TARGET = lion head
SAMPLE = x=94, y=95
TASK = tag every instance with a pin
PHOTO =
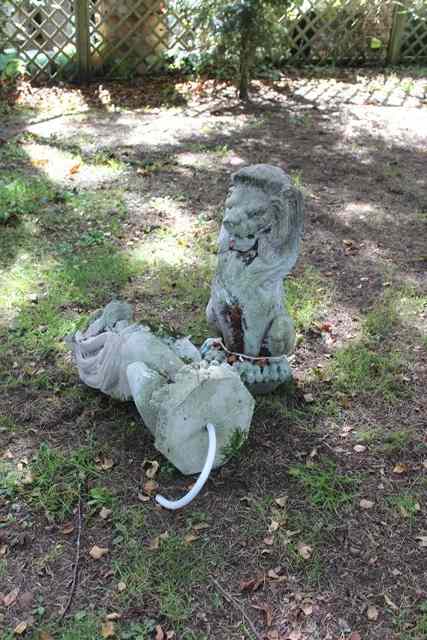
x=263, y=215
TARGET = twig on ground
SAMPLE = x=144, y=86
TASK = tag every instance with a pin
x=234, y=602
x=77, y=556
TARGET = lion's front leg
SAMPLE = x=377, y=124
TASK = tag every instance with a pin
x=280, y=339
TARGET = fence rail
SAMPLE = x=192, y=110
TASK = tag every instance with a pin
x=82, y=39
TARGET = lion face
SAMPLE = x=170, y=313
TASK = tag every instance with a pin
x=248, y=217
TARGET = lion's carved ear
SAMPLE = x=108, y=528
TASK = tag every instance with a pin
x=294, y=206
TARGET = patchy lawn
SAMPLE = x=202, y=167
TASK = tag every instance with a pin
x=318, y=529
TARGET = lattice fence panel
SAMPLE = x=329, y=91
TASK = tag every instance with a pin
x=414, y=40
x=121, y=38
x=136, y=36
x=338, y=31
x=40, y=34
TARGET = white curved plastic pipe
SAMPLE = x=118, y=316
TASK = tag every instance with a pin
x=201, y=480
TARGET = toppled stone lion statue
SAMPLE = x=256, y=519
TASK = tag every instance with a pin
x=258, y=246
x=192, y=401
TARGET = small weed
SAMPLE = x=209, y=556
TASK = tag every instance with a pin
x=396, y=441
x=9, y=479
x=234, y=445
x=58, y=477
x=380, y=322
x=3, y=568
x=99, y=497
x=368, y=436
x=406, y=505
x=296, y=178
x=325, y=487
x=358, y=369
x=417, y=631
x=7, y=424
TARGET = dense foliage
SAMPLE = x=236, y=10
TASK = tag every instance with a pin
x=232, y=35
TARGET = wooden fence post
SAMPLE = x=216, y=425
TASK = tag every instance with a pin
x=397, y=31
x=81, y=12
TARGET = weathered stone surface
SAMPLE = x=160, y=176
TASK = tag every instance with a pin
x=200, y=394
x=258, y=246
x=110, y=344
x=175, y=400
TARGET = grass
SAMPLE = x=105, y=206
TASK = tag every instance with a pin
x=396, y=442
x=58, y=479
x=379, y=323
x=307, y=298
x=405, y=505
x=19, y=196
x=166, y=576
x=359, y=369
x=325, y=487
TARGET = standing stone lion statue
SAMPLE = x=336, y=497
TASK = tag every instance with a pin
x=258, y=246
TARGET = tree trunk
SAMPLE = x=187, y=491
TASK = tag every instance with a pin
x=245, y=65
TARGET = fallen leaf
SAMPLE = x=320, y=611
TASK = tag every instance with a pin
x=159, y=633
x=252, y=585
x=153, y=467
x=20, y=628
x=75, y=168
x=106, y=464
x=274, y=525
x=105, y=513
x=294, y=635
x=190, y=537
x=366, y=504
x=67, y=528
x=390, y=603
x=97, y=552
x=108, y=630
x=308, y=397
x=400, y=468
x=27, y=478
x=272, y=574
x=113, y=616
x=150, y=487
x=273, y=634
x=304, y=550
x=359, y=448
x=201, y=526
x=10, y=598
x=3, y=549
x=281, y=502
x=372, y=613
x=154, y=543
x=44, y=635
x=121, y=587
x=307, y=608
x=354, y=635
x=269, y=540
x=422, y=540
x=267, y=610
